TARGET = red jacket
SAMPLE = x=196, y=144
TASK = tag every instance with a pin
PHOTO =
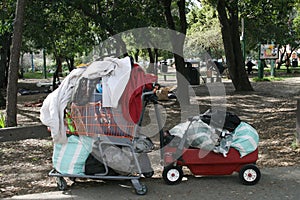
x=131, y=100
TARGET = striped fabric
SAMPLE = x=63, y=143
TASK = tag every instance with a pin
x=245, y=139
x=70, y=158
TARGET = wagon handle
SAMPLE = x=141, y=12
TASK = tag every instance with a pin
x=181, y=145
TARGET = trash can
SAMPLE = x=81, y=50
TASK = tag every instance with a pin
x=193, y=74
x=164, y=67
x=294, y=62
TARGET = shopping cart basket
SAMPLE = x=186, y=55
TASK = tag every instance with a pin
x=102, y=131
x=106, y=127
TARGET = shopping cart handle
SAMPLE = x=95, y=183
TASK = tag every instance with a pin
x=149, y=96
x=148, y=93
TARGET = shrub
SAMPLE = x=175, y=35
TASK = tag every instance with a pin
x=2, y=120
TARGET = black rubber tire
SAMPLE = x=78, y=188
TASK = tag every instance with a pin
x=61, y=183
x=172, y=175
x=249, y=174
x=73, y=179
x=142, y=191
x=148, y=174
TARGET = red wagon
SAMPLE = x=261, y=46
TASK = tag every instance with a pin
x=211, y=164
x=202, y=162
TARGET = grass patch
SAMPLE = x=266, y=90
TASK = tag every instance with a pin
x=2, y=120
x=295, y=144
x=271, y=78
x=34, y=75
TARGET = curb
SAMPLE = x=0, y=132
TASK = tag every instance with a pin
x=23, y=133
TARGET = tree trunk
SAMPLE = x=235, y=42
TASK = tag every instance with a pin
x=70, y=62
x=4, y=59
x=11, y=105
x=56, y=74
x=150, y=68
x=281, y=57
x=230, y=34
x=288, y=64
x=21, y=73
x=156, y=55
x=156, y=60
x=136, y=55
x=177, y=44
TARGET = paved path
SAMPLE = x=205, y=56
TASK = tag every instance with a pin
x=276, y=183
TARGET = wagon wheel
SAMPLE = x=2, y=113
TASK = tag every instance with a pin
x=172, y=174
x=249, y=174
x=142, y=191
x=61, y=183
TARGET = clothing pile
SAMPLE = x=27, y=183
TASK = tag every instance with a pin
x=216, y=131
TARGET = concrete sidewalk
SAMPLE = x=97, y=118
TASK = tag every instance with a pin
x=276, y=183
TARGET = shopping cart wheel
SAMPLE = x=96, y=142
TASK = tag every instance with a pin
x=61, y=183
x=249, y=174
x=142, y=191
x=172, y=174
x=73, y=179
x=148, y=174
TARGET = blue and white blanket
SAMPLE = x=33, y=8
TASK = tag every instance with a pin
x=69, y=158
x=245, y=139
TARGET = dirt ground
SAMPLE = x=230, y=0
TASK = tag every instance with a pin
x=271, y=109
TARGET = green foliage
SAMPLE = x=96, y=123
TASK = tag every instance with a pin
x=7, y=9
x=267, y=21
x=296, y=21
x=2, y=120
x=35, y=75
x=204, y=33
x=62, y=30
x=70, y=29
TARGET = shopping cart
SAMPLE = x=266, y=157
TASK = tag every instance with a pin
x=107, y=135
